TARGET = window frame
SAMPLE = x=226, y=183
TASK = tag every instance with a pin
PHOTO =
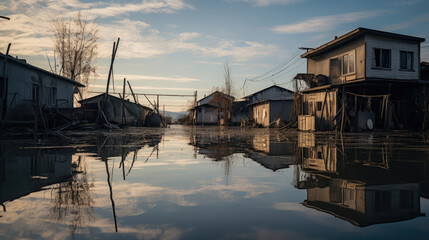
x=407, y=53
x=374, y=62
x=350, y=55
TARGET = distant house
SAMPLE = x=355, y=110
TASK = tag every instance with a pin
x=25, y=89
x=215, y=108
x=270, y=104
x=240, y=112
x=362, y=80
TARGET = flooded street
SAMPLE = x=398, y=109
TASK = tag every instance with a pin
x=215, y=183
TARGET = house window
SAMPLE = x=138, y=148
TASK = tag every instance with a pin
x=53, y=95
x=407, y=60
x=381, y=58
x=319, y=106
x=348, y=63
x=345, y=64
x=35, y=93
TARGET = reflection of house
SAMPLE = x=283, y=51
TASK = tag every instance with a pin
x=213, y=109
x=25, y=89
x=366, y=71
x=217, y=145
x=365, y=184
x=271, y=153
x=26, y=171
x=270, y=104
x=364, y=205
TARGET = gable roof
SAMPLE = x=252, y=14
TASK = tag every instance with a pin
x=354, y=34
x=217, y=92
x=25, y=64
x=267, y=89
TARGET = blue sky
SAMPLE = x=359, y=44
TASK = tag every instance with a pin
x=178, y=46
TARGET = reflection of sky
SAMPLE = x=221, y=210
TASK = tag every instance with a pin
x=178, y=196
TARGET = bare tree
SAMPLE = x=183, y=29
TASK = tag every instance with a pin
x=228, y=88
x=76, y=47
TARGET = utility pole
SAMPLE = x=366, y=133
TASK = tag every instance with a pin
x=157, y=103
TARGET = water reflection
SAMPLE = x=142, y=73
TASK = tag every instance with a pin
x=365, y=184
x=211, y=183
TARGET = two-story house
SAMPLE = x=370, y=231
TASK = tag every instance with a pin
x=362, y=80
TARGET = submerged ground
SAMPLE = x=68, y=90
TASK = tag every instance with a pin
x=214, y=183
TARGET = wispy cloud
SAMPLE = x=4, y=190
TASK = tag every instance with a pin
x=146, y=6
x=130, y=77
x=407, y=24
x=265, y=3
x=102, y=87
x=324, y=23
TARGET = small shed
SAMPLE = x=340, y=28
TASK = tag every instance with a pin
x=215, y=108
x=116, y=110
x=267, y=111
x=240, y=112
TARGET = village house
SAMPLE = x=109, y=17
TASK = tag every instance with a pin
x=271, y=104
x=362, y=80
x=213, y=109
x=26, y=90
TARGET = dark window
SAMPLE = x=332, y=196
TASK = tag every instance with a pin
x=381, y=58
x=319, y=106
x=406, y=199
x=335, y=68
x=53, y=95
x=407, y=60
x=382, y=201
x=346, y=64
x=35, y=93
x=352, y=63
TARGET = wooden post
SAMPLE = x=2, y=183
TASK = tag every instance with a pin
x=115, y=48
x=157, y=103
x=344, y=109
x=123, y=101
x=132, y=92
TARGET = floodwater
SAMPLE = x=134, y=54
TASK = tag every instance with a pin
x=215, y=183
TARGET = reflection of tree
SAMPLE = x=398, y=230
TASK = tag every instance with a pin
x=72, y=201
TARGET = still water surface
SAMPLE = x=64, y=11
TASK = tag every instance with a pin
x=215, y=183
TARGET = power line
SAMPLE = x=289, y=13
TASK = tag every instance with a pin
x=281, y=65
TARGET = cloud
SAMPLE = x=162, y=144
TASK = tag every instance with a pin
x=265, y=3
x=147, y=6
x=407, y=24
x=131, y=77
x=324, y=23
x=99, y=86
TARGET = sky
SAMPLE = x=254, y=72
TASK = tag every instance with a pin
x=179, y=46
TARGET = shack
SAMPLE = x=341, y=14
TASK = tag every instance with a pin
x=26, y=91
x=213, y=109
x=271, y=104
x=120, y=111
x=240, y=112
x=363, y=80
